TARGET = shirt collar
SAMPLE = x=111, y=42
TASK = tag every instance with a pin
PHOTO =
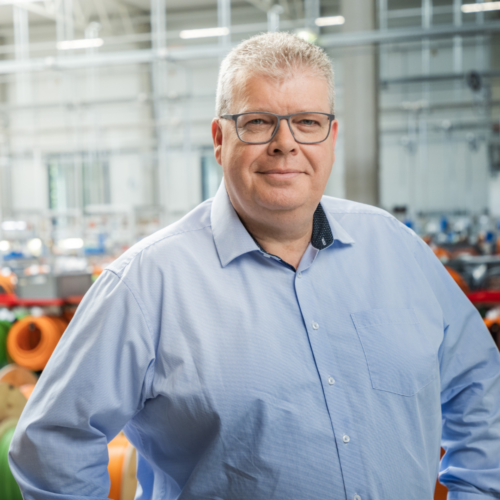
x=230, y=235
x=232, y=239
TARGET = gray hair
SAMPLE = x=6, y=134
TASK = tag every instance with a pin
x=276, y=55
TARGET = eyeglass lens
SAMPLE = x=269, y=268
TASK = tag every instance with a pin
x=306, y=127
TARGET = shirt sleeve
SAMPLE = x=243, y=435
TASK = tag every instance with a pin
x=470, y=389
x=97, y=379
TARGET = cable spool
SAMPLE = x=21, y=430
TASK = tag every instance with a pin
x=31, y=341
x=457, y=277
x=27, y=390
x=9, y=490
x=17, y=375
x=122, y=469
x=4, y=330
x=12, y=402
x=6, y=285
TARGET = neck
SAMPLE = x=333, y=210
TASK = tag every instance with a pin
x=284, y=235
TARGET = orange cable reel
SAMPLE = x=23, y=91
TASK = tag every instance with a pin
x=459, y=280
x=122, y=467
x=27, y=390
x=17, y=375
x=31, y=341
x=6, y=285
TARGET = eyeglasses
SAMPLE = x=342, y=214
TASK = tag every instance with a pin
x=261, y=127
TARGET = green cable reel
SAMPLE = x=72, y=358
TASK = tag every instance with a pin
x=9, y=489
x=4, y=330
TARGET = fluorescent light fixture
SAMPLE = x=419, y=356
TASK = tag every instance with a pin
x=4, y=246
x=330, y=21
x=70, y=244
x=17, y=2
x=204, y=33
x=14, y=225
x=480, y=7
x=85, y=43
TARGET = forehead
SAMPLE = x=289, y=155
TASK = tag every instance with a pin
x=291, y=92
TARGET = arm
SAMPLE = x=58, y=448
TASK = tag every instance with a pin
x=470, y=389
x=97, y=379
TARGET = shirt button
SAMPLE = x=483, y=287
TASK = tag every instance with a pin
x=346, y=438
x=315, y=325
x=299, y=274
x=331, y=381
x=357, y=497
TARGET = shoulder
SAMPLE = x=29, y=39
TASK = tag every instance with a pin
x=166, y=240
x=359, y=218
x=340, y=206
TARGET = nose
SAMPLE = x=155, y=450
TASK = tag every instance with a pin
x=283, y=142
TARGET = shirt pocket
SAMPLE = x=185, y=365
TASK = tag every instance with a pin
x=400, y=358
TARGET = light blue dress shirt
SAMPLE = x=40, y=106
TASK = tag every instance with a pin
x=237, y=378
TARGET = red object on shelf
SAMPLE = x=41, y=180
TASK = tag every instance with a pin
x=11, y=300
x=485, y=297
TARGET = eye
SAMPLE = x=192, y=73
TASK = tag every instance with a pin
x=308, y=122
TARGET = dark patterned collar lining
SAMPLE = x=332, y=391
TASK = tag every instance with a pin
x=321, y=238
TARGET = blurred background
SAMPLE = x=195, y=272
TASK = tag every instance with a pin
x=105, y=112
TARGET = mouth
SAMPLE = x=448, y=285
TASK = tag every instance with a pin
x=283, y=175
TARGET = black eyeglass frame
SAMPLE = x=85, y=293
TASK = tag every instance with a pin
x=279, y=117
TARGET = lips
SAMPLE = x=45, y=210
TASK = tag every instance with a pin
x=281, y=174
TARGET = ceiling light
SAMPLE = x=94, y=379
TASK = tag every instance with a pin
x=85, y=43
x=203, y=33
x=70, y=244
x=330, y=21
x=35, y=246
x=14, y=225
x=480, y=7
x=17, y=2
x=307, y=35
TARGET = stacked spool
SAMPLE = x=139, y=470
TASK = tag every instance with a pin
x=31, y=341
x=4, y=330
x=6, y=285
x=16, y=385
x=12, y=403
x=9, y=490
x=17, y=376
x=122, y=469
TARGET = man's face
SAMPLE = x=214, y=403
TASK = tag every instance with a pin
x=282, y=175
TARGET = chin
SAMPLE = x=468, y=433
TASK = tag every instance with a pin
x=280, y=200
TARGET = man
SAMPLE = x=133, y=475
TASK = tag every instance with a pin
x=274, y=343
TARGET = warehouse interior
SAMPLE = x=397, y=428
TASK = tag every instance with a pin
x=105, y=113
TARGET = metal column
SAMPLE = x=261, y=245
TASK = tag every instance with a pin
x=311, y=13
x=224, y=21
x=273, y=18
x=161, y=179
x=360, y=107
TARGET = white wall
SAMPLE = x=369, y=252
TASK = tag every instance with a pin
x=433, y=136
x=441, y=173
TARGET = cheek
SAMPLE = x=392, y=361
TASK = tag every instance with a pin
x=239, y=160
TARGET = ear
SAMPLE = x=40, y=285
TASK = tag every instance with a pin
x=334, y=132
x=217, y=138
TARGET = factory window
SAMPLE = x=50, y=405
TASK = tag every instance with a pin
x=76, y=181
x=211, y=175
